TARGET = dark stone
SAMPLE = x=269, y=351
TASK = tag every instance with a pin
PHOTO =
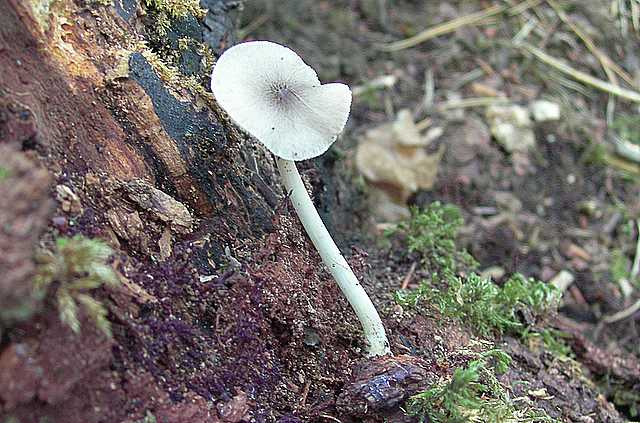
x=218, y=24
x=382, y=384
x=126, y=8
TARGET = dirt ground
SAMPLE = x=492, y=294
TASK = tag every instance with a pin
x=225, y=313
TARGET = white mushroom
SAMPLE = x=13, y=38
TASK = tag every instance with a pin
x=269, y=91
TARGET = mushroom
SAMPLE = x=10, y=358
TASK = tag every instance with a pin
x=270, y=92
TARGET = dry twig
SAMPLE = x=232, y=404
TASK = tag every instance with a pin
x=328, y=417
x=407, y=278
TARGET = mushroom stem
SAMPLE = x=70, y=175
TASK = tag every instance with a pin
x=347, y=281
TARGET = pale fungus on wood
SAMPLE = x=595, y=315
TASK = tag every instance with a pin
x=269, y=91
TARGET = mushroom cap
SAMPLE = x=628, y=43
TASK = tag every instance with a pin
x=269, y=91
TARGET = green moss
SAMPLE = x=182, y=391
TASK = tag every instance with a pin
x=177, y=9
x=473, y=394
x=619, y=266
x=483, y=305
x=74, y=268
x=171, y=75
x=4, y=173
x=183, y=43
x=168, y=73
x=627, y=127
x=431, y=233
x=478, y=302
x=164, y=11
x=552, y=340
x=148, y=418
x=625, y=397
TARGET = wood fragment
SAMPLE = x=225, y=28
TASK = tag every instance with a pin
x=577, y=295
x=407, y=278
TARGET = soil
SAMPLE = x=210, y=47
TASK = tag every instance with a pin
x=225, y=312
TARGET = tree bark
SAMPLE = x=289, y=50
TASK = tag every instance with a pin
x=140, y=149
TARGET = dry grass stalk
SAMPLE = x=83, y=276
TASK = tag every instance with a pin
x=444, y=28
x=582, y=76
x=452, y=25
x=610, y=67
x=465, y=103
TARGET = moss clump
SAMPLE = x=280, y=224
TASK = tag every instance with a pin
x=177, y=9
x=473, y=394
x=168, y=73
x=148, y=418
x=164, y=11
x=171, y=75
x=482, y=304
x=431, y=233
x=619, y=266
x=4, y=173
x=75, y=267
x=551, y=339
x=627, y=127
x=478, y=301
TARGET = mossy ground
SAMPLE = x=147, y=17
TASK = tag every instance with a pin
x=455, y=291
